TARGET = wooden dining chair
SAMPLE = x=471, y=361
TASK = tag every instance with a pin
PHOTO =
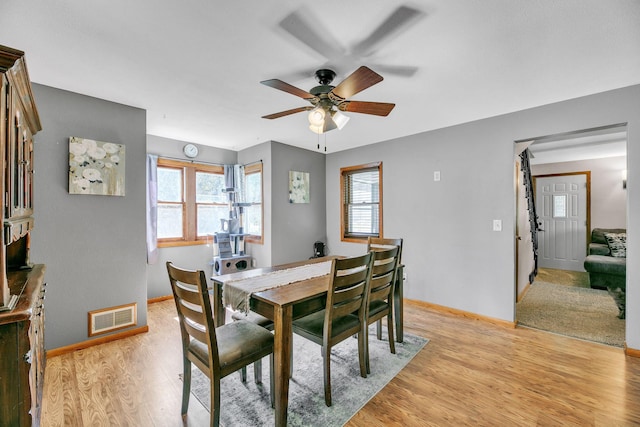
x=217, y=352
x=379, y=243
x=380, y=297
x=344, y=314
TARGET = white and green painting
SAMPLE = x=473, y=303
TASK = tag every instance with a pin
x=298, y=187
x=96, y=167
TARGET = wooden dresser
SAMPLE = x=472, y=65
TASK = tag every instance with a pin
x=22, y=352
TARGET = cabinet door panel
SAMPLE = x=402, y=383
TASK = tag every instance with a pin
x=9, y=353
x=19, y=162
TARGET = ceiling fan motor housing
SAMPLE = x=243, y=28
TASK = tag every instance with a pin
x=323, y=99
x=325, y=76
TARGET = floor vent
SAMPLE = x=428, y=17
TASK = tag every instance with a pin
x=113, y=318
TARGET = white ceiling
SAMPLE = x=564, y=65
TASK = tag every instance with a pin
x=581, y=145
x=196, y=66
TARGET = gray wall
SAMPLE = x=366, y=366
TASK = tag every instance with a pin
x=196, y=257
x=93, y=246
x=296, y=226
x=608, y=198
x=453, y=257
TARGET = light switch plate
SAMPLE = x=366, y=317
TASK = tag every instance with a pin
x=497, y=225
x=436, y=176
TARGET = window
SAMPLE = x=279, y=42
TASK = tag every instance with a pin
x=361, y=207
x=191, y=202
x=560, y=206
x=253, y=213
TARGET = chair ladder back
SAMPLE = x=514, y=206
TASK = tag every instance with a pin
x=381, y=287
x=348, y=288
x=378, y=243
x=190, y=305
x=191, y=296
x=383, y=273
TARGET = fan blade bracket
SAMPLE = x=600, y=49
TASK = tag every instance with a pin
x=337, y=100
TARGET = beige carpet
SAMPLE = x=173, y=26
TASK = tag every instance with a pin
x=584, y=313
x=579, y=279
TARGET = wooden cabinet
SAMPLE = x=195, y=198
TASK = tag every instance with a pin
x=22, y=352
x=20, y=121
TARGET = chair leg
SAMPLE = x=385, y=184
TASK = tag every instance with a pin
x=379, y=329
x=215, y=401
x=392, y=341
x=243, y=374
x=362, y=354
x=272, y=381
x=326, y=358
x=365, y=333
x=257, y=371
x=186, y=385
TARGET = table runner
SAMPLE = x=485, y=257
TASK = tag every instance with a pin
x=236, y=293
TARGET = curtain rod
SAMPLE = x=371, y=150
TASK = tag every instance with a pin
x=201, y=162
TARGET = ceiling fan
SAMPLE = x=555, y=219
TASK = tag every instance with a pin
x=327, y=101
x=306, y=27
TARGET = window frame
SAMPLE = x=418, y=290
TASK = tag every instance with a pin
x=189, y=206
x=344, y=173
x=249, y=170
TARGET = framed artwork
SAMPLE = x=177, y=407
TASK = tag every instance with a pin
x=298, y=187
x=96, y=167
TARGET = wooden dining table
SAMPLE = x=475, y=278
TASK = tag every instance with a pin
x=282, y=305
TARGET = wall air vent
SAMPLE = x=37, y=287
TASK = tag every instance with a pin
x=113, y=318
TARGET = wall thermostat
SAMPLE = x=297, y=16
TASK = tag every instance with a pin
x=190, y=150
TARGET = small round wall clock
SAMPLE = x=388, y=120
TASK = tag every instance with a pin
x=190, y=150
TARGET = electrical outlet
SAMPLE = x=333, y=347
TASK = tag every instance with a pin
x=497, y=225
x=436, y=176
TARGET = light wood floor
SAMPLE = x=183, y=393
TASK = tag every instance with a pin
x=471, y=373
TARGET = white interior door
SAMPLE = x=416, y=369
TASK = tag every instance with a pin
x=561, y=204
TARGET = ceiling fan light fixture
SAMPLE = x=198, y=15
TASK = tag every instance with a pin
x=316, y=129
x=316, y=117
x=329, y=124
x=340, y=119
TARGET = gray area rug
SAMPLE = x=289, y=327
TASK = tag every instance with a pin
x=248, y=404
x=584, y=313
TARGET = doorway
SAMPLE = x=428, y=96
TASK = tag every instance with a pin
x=575, y=171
